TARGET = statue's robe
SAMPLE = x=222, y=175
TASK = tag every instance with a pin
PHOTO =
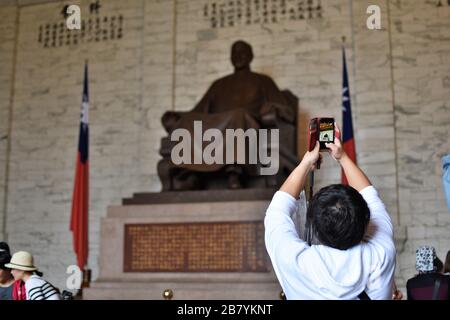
x=236, y=101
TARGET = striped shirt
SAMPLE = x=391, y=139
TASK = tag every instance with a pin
x=39, y=289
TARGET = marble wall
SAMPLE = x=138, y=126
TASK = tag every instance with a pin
x=169, y=54
x=421, y=75
x=8, y=15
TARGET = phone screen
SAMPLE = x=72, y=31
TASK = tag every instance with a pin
x=326, y=131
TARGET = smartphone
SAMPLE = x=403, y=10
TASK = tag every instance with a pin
x=326, y=132
x=322, y=130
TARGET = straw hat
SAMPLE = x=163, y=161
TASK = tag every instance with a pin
x=22, y=261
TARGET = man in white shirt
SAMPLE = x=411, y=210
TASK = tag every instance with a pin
x=356, y=254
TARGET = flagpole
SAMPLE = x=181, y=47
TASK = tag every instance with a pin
x=86, y=271
x=308, y=231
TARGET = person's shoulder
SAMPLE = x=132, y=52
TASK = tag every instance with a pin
x=282, y=200
x=369, y=192
x=445, y=277
x=390, y=252
x=414, y=278
x=34, y=281
x=221, y=80
x=408, y=282
x=383, y=251
x=415, y=281
x=261, y=75
x=264, y=77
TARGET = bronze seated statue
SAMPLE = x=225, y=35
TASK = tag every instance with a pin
x=241, y=100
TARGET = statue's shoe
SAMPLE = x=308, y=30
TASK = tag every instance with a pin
x=234, y=182
x=191, y=182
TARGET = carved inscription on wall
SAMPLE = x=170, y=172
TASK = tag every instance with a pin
x=230, y=13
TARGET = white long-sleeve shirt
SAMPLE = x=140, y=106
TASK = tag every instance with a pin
x=322, y=272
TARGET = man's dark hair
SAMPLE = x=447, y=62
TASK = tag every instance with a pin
x=5, y=258
x=447, y=263
x=5, y=255
x=4, y=247
x=438, y=265
x=339, y=216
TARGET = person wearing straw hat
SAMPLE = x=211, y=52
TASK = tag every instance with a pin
x=23, y=268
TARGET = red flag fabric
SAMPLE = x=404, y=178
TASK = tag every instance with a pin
x=80, y=200
x=19, y=291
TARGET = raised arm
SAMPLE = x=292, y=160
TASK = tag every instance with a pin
x=295, y=183
x=380, y=227
x=282, y=241
x=355, y=177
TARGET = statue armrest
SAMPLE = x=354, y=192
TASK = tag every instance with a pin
x=166, y=147
x=271, y=113
x=269, y=119
x=169, y=120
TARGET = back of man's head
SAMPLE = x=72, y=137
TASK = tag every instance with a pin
x=4, y=247
x=339, y=216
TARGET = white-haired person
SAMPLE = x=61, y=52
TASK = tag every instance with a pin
x=22, y=268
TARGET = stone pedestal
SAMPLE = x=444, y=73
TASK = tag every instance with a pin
x=116, y=281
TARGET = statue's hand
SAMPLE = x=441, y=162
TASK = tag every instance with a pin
x=275, y=111
x=170, y=120
x=267, y=108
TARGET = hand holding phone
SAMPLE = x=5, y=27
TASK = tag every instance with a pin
x=313, y=157
x=335, y=149
x=323, y=131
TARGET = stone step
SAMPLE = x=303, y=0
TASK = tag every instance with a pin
x=200, y=196
x=188, y=290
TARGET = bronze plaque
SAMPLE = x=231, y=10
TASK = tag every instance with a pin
x=195, y=247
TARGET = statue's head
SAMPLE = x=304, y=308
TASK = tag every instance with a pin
x=241, y=54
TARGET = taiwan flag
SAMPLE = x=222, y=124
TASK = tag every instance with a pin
x=80, y=200
x=348, y=140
